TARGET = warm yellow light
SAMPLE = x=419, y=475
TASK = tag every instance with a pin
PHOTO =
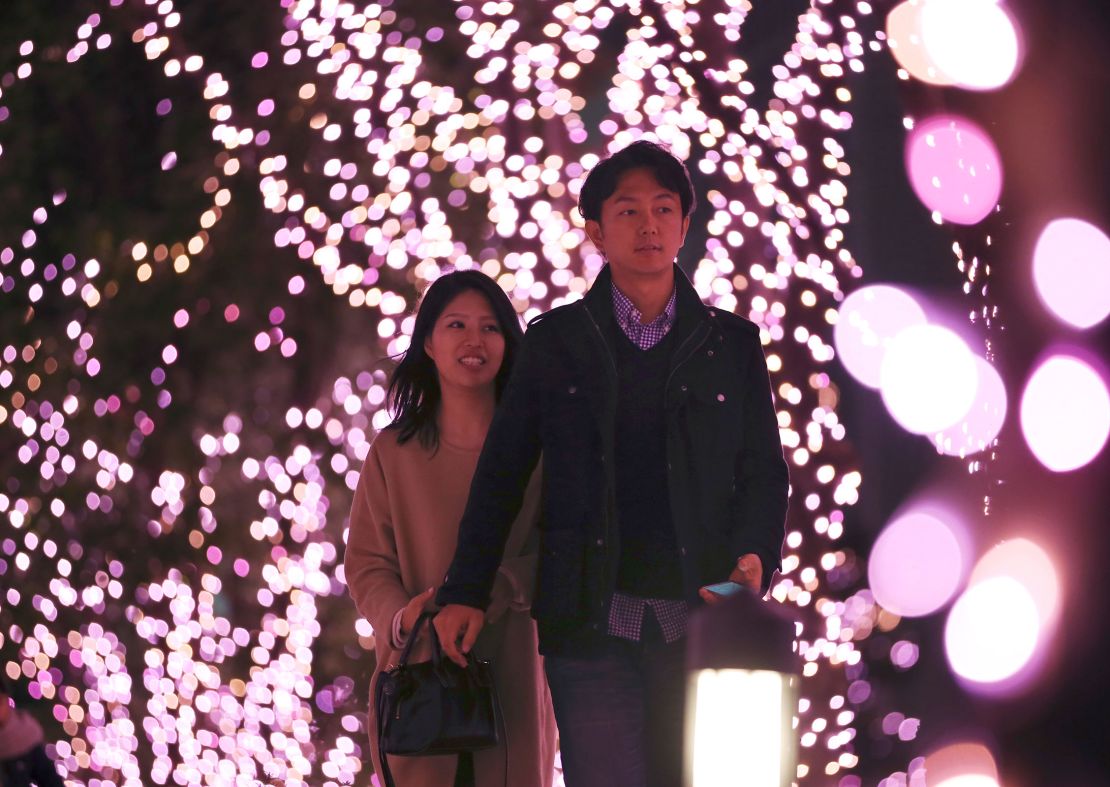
x=739, y=728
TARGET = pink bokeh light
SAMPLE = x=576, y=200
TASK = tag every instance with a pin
x=867, y=320
x=917, y=563
x=928, y=379
x=972, y=43
x=1071, y=270
x=1065, y=413
x=992, y=631
x=964, y=764
x=983, y=421
x=1029, y=564
x=954, y=168
x=903, y=31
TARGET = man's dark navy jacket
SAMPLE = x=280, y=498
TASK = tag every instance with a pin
x=728, y=481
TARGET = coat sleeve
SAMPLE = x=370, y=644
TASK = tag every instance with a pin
x=370, y=564
x=761, y=474
x=509, y=456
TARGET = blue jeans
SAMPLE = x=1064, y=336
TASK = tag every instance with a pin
x=620, y=715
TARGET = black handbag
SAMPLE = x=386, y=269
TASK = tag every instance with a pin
x=435, y=707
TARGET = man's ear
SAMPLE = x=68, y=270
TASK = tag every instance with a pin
x=685, y=229
x=596, y=236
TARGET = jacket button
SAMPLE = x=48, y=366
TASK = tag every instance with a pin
x=683, y=551
x=720, y=397
x=682, y=388
x=572, y=389
x=601, y=542
x=710, y=353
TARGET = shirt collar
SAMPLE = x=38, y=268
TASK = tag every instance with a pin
x=629, y=316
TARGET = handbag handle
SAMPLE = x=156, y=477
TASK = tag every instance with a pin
x=437, y=648
x=437, y=659
x=413, y=635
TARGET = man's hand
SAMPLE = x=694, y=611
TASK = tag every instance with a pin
x=417, y=604
x=457, y=626
x=748, y=572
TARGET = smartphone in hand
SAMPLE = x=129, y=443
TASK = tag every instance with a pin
x=725, y=588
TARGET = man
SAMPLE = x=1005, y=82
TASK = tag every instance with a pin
x=662, y=473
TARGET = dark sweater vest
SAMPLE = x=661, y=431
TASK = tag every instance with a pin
x=649, y=561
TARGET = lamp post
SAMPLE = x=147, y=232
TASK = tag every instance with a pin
x=741, y=695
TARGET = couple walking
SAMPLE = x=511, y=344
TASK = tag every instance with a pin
x=661, y=473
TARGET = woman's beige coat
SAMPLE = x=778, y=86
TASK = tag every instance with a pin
x=404, y=525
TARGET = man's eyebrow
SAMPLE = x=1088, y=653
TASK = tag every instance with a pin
x=664, y=194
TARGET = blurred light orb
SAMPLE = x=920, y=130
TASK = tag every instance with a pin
x=992, y=630
x=973, y=43
x=962, y=765
x=916, y=565
x=1029, y=564
x=903, y=31
x=928, y=379
x=1071, y=270
x=967, y=780
x=954, y=168
x=867, y=320
x=1065, y=413
x=983, y=421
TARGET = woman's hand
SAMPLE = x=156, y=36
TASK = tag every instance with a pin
x=417, y=604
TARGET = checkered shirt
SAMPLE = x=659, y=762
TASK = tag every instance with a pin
x=628, y=318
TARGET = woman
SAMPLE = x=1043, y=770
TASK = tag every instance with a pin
x=404, y=522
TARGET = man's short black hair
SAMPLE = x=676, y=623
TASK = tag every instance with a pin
x=641, y=154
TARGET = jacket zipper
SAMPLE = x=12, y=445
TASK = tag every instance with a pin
x=688, y=339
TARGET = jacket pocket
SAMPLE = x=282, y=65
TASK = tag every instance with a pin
x=560, y=586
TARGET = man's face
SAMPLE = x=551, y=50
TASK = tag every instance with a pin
x=641, y=227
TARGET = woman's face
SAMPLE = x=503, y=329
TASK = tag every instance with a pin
x=466, y=343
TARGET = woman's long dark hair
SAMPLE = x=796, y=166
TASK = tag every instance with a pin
x=414, y=392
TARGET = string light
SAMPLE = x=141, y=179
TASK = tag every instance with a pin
x=403, y=167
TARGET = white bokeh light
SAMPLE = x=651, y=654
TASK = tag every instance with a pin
x=973, y=43
x=992, y=630
x=903, y=32
x=1029, y=564
x=967, y=780
x=916, y=565
x=1071, y=270
x=966, y=764
x=928, y=379
x=984, y=420
x=1065, y=413
x=867, y=320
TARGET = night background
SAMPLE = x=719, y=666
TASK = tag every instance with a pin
x=215, y=222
